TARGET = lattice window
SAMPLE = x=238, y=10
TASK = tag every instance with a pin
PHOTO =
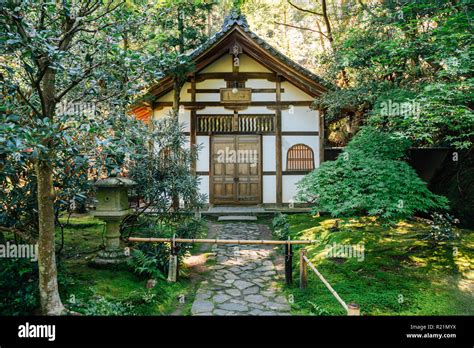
x=235, y=84
x=300, y=157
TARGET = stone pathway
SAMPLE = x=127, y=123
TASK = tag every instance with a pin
x=244, y=280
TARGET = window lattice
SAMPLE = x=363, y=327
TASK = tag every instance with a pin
x=300, y=157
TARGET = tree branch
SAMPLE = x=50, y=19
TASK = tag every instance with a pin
x=22, y=234
x=302, y=28
x=304, y=10
x=75, y=82
x=28, y=102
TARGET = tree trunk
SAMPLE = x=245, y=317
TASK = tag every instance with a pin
x=48, y=282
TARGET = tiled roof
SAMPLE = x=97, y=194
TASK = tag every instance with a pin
x=238, y=19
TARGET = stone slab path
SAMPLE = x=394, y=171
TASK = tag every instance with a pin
x=244, y=279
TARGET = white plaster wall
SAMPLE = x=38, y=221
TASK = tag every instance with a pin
x=302, y=118
x=214, y=110
x=208, y=97
x=202, y=164
x=248, y=64
x=157, y=114
x=260, y=83
x=168, y=97
x=289, y=187
x=185, y=119
x=269, y=192
x=204, y=186
x=309, y=140
x=269, y=153
x=293, y=93
x=223, y=64
x=184, y=95
x=211, y=83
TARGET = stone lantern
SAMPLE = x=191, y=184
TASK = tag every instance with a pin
x=112, y=208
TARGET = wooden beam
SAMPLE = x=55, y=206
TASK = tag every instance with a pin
x=254, y=90
x=239, y=76
x=192, y=138
x=278, y=145
x=321, y=135
x=269, y=104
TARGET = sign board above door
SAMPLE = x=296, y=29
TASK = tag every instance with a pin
x=236, y=95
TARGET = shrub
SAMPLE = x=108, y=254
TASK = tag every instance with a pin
x=100, y=305
x=158, y=253
x=18, y=286
x=370, y=177
x=441, y=228
x=281, y=226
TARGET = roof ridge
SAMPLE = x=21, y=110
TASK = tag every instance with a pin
x=235, y=16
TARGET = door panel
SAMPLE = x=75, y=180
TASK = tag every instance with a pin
x=235, y=169
x=222, y=173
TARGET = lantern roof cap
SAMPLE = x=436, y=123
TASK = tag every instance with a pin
x=114, y=182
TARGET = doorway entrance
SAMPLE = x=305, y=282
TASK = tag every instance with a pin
x=236, y=175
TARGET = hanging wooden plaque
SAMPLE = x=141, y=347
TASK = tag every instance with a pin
x=237, y=95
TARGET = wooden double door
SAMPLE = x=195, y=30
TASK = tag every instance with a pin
x=236, y=169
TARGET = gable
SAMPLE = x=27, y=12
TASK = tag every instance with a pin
x=257, y=57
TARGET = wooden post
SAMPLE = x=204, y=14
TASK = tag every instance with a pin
x=288, y=264
x=303, y=272
x=353, y=309
x=173, y=268
x=278, y=145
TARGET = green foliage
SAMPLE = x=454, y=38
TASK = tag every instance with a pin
x=281, y=226
x=441, y=228
x=143, y=264
x=317, y=309
x=157, y=254
x=101, y=305
x=369, y=177
x=18, y=286
x=402, y=52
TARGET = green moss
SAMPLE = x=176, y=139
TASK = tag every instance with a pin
x=83, y=238
x=401, y=274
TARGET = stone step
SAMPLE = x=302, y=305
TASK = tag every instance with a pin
x=237, y=218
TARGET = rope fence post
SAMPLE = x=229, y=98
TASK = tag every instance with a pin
x=353, y=309
x=303, y=270
x=173, y=263
x=288, y=263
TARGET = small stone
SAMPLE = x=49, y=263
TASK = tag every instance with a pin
x=242, y=284
x=220, y=298
x=255, y=298
x=252, y=290
x=151, y=283
x=233, y=292
x=202, y=307
x=277, y=306
x=234, y=307
x=220, y=312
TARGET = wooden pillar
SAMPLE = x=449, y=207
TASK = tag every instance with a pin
x=192, y=123
x=278, y=145
x=321, y=135
x=235, y=121
x=288, y=264
x=303, y=270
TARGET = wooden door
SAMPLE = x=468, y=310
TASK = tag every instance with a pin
x=235, y=169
